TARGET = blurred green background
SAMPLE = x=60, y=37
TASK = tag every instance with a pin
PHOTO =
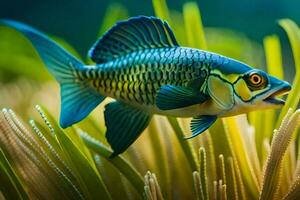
x=78, y=21
x=245, y=30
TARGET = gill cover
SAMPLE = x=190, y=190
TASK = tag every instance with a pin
x=221, y=92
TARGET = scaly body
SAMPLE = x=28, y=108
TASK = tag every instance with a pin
x=136, y=77
x=140, y=64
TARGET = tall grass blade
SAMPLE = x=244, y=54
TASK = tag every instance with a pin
x=113, y=13
x=185, y=145
x=11, y=186
x=293, y=98
x=294, y=191
x=193, y=26
x=119, y=162
x=274, y=65
x=86, y=172
x=203, y=173
x=231, y=180
x=161, y=10
x=233, y=133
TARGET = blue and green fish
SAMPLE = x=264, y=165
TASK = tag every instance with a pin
x=139, y=63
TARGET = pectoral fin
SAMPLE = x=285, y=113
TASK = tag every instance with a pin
x=172, y=97
x=124, y=124
x=201, y=124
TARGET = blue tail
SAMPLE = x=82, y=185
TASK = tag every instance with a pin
x=77, y=98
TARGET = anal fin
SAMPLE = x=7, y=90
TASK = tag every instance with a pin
x=124, y=125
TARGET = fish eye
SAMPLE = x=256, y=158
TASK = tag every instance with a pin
x=256, y=81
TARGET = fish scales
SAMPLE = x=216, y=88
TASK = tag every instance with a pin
x=137, y=76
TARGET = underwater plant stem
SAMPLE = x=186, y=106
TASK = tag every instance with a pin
x=198, y=186
x=273, y=56
x=235, y=137
x=13, y=187
x=293, y=33
x=294, y=192
x=203, y=173
x=274, y=65
x=279, y=145
x=186, y=146
x=120, y=163
x=232, y=182
x=161, y=156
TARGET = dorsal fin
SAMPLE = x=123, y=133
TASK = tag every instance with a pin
x=134, y=34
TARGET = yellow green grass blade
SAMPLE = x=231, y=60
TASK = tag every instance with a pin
x=280, y=142
x=293, y=33
x=114, y=13
x=161, y=10
x=160, y=158
x=294, y=192
x=256, y=118
x=235, y=137
x=273, y=56
x=232, y=182
x=274, y=65
x=119, y=162
x=11, y=187
x=178, y=27
x=89, y=178
x=193, y=26
x=186, y=146
x=42, y=174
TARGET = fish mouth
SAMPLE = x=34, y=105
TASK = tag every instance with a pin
x=273, y=99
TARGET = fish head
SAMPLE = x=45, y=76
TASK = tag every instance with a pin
x=242, y=89
x=255, y=90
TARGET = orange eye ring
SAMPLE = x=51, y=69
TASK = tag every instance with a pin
x=256, y=81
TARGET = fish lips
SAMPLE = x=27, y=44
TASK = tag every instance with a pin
x=279, y=89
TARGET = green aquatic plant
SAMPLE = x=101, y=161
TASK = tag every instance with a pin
x=235, y=159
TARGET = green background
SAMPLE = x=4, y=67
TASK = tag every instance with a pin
x=78, y=21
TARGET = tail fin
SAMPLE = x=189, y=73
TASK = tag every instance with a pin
x=77, y=98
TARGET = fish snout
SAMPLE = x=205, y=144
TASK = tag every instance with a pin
x=278, y=87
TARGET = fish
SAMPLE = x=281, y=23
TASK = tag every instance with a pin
x=139, y=64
